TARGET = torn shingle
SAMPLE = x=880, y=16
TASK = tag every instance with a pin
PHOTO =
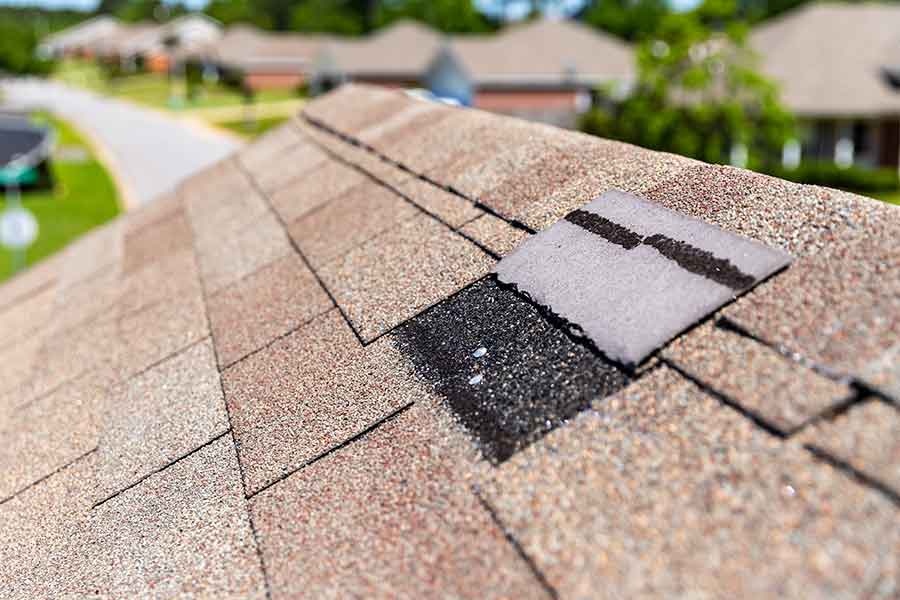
x=631, y=275
x=508, y=374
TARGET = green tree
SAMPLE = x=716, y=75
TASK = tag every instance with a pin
x=17, y=50
x=328, y=16
x=451, y=16
x=697, y=94
x=629, y=19
x=230, y=12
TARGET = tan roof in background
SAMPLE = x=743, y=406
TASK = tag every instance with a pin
x=215, y=396
x=401, y=49
x=544, y=51
x=248, y=47
x=829, y=59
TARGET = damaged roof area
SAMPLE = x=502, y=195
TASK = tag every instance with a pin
x=358, y=359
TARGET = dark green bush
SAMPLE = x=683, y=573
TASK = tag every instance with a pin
x=828, y=174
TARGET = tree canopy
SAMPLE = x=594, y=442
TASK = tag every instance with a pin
x=698, y=94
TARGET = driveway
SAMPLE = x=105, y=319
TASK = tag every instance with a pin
x=148, y=151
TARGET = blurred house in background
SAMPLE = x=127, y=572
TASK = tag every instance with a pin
x=395, y=56
x=261, y=59
x=77, y=40
x=838, y=67
x=544, y=70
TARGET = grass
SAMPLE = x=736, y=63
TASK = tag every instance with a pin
x=254, y=128
x=155, y=90
x=889, y=197
x=83, y=197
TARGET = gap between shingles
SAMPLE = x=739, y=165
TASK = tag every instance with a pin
x=234, y=443
x=354, y=438
x=511, y=539
x=512, y=222
x=300, y=253
x=49, y=475
x=817, y=453
x=162, y=468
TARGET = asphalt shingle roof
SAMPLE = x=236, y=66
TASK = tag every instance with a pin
x=246, y=389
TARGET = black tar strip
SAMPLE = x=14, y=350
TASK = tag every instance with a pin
x=690, y=258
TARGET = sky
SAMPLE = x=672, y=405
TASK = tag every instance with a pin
x=516, y=9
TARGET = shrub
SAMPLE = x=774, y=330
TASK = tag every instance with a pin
x=854, y=178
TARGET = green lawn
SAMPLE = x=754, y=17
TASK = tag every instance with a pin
x=889, y=197
x=83, y=197
x=254, y=129
x=156, y=90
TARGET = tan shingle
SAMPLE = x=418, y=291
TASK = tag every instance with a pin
x=309, y=392
x=401, y=272
x=661, y=491
x=348, y=221
x=271, y=302
x=389, y=516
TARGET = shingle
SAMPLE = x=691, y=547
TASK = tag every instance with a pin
x=415, y=116
x=175, y=276
x=29, y=283
x=670, y=272
x=765, y=383
x=46, y=539
x=150, y=213
x=82, y=301
x=541, y=195
x=347, y=97
x=393, y=277
x=183, y=532
x=449, y=208
x=28, y=313
x=64, y=357
x=390, y=515
x=49, y=433
x=269, y=147
x=663, y=492
x=867, y=437
x=309, y=392
x=269, y=303
x=92, y=253
x=156, y=241
x=285, y=171
x=380, y=104
x=320, y=186
x=494, y=234
x=223, y=213
x=837, y=307
x=503, y=155
x=258, y=244
x=438, y=139
x=158, y=416
x=348, y=221
x=157, y=332
x=803, y=220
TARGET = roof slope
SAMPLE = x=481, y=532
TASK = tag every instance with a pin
x=544, y=51
x=402, y=49
x=830, y=58
x=295, y=375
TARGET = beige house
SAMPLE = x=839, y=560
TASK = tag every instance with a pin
x=837, y=66
x=264, y=60
x=544, y=70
